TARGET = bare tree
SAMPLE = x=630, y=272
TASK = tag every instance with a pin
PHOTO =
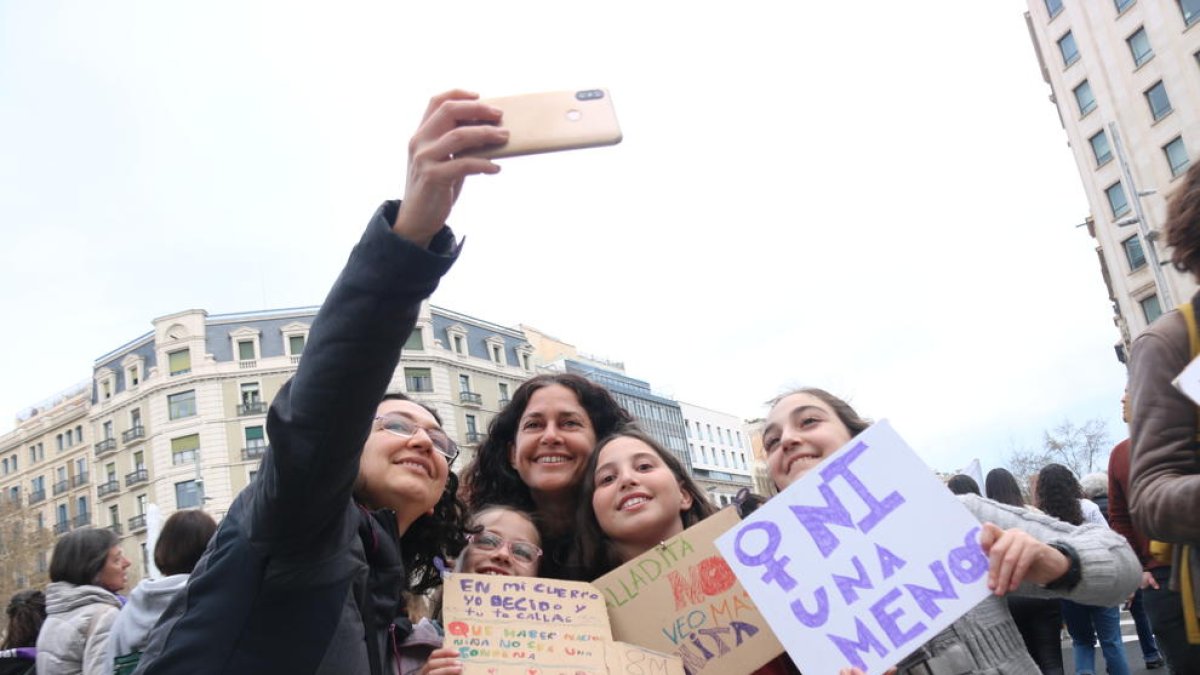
x=1082, y=449
x=24, y=550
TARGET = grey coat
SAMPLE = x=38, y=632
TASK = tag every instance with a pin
x=74, y=638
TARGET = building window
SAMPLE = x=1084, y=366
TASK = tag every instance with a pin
x=1084, y=98
x=1151, y=308
x=1139, y=47
x=179, y=362
x=114, y=515
x=1177, y=157
x=458, y=345
x=1190, y=10
x=185, y=449
x=464, y=383
x=525, y=361
x=59, y=442
x=1156, y=98
x=255, y=439
x=187, y=494
x=1116, y=199
x=497, y=353
x=133, y=376
x=105, y=389
x=1133, y=252
x=245, y=350
x=135, y=418
x=1053, y=7
x=107, y=430
x=1066, y=46
x=418, y=380
x=415, y=341
x=472, y=428
x=503, y=388
x=1122, y=5
x=182, y=404
x=296, y=345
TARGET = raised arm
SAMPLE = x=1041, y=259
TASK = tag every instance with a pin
x=319, y=421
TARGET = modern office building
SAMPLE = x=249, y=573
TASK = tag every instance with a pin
x=176, y=417
x=722, y=459
x=1125, y=79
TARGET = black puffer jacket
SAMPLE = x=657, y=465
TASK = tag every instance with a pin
x=298, y=578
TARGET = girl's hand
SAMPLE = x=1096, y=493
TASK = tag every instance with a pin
x=1015, y=555
x=442, y=661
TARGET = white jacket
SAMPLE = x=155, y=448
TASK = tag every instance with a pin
x=74, y=638
x=147, y=602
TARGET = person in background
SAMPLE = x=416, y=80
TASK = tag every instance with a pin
x=1028, y=553
x=1164, y=474
x=1156, y=609
x=180, y=544
x=1038, y=619
x=962, y=484
x=26, y=612
x=1095, y=489
x=87, y=570
x=1061, y=496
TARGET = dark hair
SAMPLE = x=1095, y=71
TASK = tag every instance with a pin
x=593, y=553
x=1001, y=486
x=849, y=417
x=79, y=556
x=26, y=612
x=963, y=484
x=182, y=541
x=1058, y=493
x=432, y=538
x=1183, y=223
x=490, y=477
x=747, y=502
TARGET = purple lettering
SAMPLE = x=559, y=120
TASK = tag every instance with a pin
x=847, y=584
x=692, y=662
x=888, y=562
x=890, y=621
x=813, y=619
x=967, y=562
x=925, y=596
x=776, y=568
x=714, y=633
x=879, y=509
x=814, y=519
x=850, y=648
x=742, y=630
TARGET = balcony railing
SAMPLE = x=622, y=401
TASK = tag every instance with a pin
x=37, y=496
x=139, y=476
x=82, y=520
x=60, y=487
x=252, y=408
x=62, y=526
x=105, y=446
x=247, y=364
x=137, y=523
x=503, y=402
x=133, y=434
x=111, y=486
x=470, y=397
x=254, y=451
x=79, y=479
x=475, y=437
x=115, y=527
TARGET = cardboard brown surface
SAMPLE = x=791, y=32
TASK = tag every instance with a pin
x=682, y=598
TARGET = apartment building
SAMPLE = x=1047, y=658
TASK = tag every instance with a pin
x=722, y=460
x=1125, y=79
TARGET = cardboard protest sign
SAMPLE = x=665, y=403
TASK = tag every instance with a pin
x=1188, y=380
x=525, y=626
x=681, y=597
x=861, y=561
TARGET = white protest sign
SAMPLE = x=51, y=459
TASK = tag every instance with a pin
x=1188, y=380
x=861, y=561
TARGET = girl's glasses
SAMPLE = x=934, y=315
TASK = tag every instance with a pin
x=399, y=425
x=489, y=541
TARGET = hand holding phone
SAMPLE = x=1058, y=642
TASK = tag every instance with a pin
x=553, y=121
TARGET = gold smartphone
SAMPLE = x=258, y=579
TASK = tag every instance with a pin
x=553, y=121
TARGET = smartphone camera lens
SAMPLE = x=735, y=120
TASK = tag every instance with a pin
x=589, y=94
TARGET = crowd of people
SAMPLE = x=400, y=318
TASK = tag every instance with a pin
x=356, y=512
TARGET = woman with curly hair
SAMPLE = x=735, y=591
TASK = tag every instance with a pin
x=536, y=454
x=1164, y=477
x=354, y=500
x=1060, y=495
x=26, y=613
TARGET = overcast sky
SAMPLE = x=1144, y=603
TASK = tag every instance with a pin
x=874, y=199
